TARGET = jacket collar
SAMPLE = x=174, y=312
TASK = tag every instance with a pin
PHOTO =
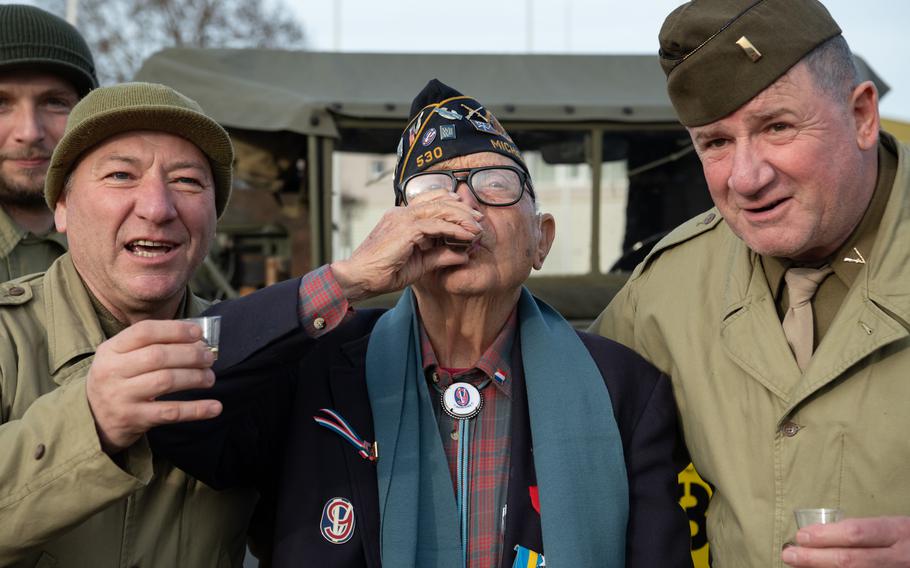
x=10, y=234
x=888, y=268
x=73, y=329
x=875, y=312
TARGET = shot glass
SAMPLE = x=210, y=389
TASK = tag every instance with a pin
x=806, y=517
x=211, y=330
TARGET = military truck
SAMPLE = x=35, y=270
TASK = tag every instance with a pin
x=316, y=135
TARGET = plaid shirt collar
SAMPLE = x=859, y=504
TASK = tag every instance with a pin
x=495, y=363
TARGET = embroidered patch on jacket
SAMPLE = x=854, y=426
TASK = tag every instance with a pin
x=337, y=525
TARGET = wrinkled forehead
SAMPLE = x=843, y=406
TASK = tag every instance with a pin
x=476, y=160
x=138, y=146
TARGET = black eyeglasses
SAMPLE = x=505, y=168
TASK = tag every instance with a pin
x=496, y=186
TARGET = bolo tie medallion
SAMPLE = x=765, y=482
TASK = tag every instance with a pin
x=461, y=401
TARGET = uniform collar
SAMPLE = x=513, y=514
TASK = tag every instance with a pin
x=849, y=259
x=72, y=327
x=12, y=234
x=887, y=264
x=73, y=323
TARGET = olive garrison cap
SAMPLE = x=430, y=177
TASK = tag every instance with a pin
x=446, y=124
x=31, y=38
x=108, y=111
x=719, y=54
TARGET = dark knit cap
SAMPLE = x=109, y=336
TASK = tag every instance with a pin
x=719, y=54
x=446, y=124
x=31, y=38
x=108, y=111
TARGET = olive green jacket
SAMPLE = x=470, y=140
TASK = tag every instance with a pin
x=63, y=501
x=23, y=253
x=768, y=438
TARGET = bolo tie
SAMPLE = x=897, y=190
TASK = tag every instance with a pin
x=462, y=401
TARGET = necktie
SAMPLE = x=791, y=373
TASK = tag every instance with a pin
x=801, y=286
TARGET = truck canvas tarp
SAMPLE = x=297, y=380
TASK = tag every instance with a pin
x=316, y=133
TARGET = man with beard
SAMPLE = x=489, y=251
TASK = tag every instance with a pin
x=45, y=68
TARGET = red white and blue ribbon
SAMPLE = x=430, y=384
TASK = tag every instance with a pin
x=334, y=422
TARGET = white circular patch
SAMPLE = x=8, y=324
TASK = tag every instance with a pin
x=462, y=401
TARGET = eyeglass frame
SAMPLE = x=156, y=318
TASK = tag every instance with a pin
x=523, y=177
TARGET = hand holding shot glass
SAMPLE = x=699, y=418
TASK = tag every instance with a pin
x=817, y=516
x=211, y=330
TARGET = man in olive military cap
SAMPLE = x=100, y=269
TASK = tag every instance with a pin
x=136, y=183
x=782, y=314
x=45, y=68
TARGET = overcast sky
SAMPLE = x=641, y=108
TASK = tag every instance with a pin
x=872, y=27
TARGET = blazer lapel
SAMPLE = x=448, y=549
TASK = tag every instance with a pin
x=522, y=521
x=350, y=399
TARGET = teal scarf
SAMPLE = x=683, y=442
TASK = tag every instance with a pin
x=578, y=457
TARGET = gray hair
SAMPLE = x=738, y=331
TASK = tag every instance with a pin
x=833, y=69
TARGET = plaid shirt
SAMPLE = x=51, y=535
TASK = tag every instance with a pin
x=491, y=437
x=322, y=307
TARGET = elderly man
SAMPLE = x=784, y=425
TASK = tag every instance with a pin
x=782, y=410
x=136, y=182
x=468, y=426
x=45, y=68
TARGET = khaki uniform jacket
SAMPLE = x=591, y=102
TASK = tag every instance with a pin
x=23, y=253
x=768, y=438
x=63, y=501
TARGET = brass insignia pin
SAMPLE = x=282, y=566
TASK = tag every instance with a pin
x=750, y=50
x=859, y=257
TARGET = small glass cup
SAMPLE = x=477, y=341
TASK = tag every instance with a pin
x=806, y=517
x=211, y=330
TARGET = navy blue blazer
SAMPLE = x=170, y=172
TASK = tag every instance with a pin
x=272, y=380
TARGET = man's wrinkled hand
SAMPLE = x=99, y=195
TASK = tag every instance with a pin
x=874, y=542
x=406, y=244
x=141, y=363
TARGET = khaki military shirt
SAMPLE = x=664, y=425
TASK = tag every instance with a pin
x=63, y=501
x=768, y=437
x=23, y=253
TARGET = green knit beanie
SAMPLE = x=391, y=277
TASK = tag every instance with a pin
x=108, y=111
x=31, y=38
x=719, y=54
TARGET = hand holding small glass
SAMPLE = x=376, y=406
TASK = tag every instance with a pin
x=211, y=331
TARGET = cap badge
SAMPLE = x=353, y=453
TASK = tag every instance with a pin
x=483, y=127
x=750, y=50
x=428, y=137
x=473, y=111
x=448, y=113
x=447, y=132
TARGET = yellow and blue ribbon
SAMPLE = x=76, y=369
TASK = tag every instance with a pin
x=527, y=558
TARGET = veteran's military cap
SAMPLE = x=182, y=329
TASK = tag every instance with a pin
x=446, y=124
x=719, y=54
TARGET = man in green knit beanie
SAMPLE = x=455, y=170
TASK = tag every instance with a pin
x=136, y=182
x=45, y=68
